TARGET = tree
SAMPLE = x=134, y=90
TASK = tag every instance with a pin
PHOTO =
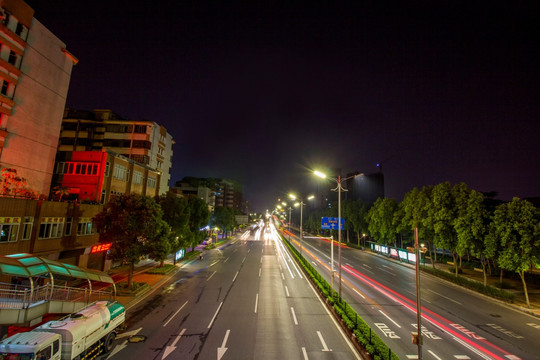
x=223, y=218
x=129, y=222
x=162, y=244
x=381, y=220
x=176, y=213
x=199, y=215
x=515, y=226
x=471, y=226
x=355, y=212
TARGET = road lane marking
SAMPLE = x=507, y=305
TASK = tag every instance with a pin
x=294, y=316
x=169, y=349
x=249, y=250
x=304, y=353
x=214, y=317
x=388, y=317
x=282, y=276
x=256, y=302
x=211, y=276
x=365, y=265
x=287, y=291
x=221, y=350
x=461, y=357
x=356, y=291
x=244, y=260
x=260, y=272
x=226, y=260
x=433, y=354
x=325, y=348
x=176, y=313
x=235, y=275
x=446, y=297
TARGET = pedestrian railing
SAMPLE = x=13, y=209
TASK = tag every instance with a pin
x=21, y=297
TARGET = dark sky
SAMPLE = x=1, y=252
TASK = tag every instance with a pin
x=263, y=92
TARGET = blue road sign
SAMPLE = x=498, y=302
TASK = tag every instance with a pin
x=331, y=223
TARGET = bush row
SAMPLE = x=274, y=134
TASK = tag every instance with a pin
x=367, y=338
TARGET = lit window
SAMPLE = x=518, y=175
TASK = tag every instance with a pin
x=27, y=227
x=51, y=228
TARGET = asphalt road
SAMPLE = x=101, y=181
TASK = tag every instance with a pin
x=456, y=323
x=245, y=300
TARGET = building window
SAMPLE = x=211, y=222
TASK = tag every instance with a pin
x=8, y=232
x=12, y=58
x=107, y=168
x=151, y=182
x=5, y=86
x=27, y=227
x=51, y=228
x=140, y=129
x=69, y=223
x=137, y=177
x=159, y=164
x=85, y=227
x=102, y=200
x=19, y=29
x=119, y=172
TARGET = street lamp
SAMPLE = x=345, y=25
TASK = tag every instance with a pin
x=339, y=189
x=301, y=204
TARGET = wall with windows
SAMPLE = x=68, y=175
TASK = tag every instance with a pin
x=36, y=75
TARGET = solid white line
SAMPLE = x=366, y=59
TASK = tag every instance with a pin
x=287, y=291
x=388, y=317
x=325, y=348
x=304, y=353
x=256, y=302
x=211, y=276
x=235, y=275
x=433, y=354
x=294, y=316
x=214, y=317
x=176, y=313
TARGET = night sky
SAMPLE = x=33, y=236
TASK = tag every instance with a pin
x=262, y=92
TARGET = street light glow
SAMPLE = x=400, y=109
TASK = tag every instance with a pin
x=311, y=197
x=284, y=203
x=320, y=174
x=296, y=204
x=292, y=196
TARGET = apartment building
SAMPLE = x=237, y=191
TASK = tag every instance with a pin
x=143, y=141
x=35, y=71
x=228, y=193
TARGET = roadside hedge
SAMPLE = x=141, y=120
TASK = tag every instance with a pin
x=367, y=338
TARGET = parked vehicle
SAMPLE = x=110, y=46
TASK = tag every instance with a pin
x=79, y=336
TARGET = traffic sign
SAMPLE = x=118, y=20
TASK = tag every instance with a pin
x=331, y=223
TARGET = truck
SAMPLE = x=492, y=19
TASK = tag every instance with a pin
x=78, y=336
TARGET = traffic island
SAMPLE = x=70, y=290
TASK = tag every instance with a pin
x=137, y=289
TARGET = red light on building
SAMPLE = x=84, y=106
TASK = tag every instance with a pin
x=100, y=247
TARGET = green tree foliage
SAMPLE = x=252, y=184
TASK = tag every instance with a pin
x=199, y=215
x=160, y=246
x=176, y=213
x=471, y=225
x=130, y=222
x=515, y=227
x=381, y=220
x=354, y=212
x=223, y=218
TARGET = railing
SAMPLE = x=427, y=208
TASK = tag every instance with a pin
x=20, y=297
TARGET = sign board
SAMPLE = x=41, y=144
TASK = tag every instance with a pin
x=331, y=223
x=100, y=248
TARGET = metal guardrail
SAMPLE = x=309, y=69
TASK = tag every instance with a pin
x=20, y=297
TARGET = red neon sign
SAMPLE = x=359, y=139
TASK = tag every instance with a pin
x=100, y=247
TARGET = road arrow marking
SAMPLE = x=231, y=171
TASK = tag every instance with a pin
x=221, y=350
x=170, y=349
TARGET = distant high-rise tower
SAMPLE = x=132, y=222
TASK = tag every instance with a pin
x=35, y=71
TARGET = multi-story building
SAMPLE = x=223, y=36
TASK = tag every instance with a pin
x=228, y=193
x=93, y=176
x=143, y=141
x=200, y=191
x=35, y=71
